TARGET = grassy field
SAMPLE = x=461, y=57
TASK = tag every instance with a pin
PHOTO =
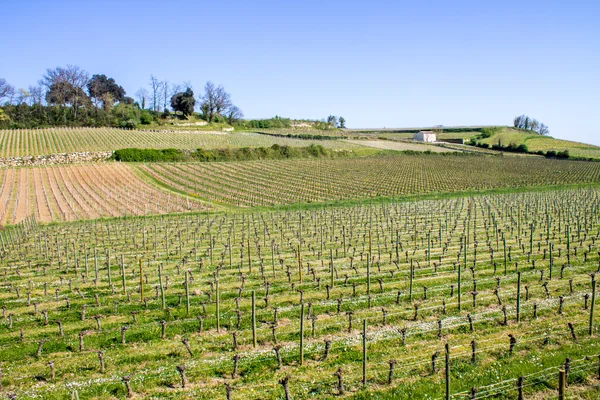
x=30, y=142
x=418, y=275
x=537, y=142
x=268, y=183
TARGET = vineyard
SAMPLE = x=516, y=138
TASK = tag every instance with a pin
x=31, y=142
x=474, y=297
x=65, y=193
x=267, y=183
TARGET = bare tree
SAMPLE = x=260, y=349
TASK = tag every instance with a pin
x=142, y=96
x=214, y=101
x=7, y=91
x=72, y=74
x=234, y=114
x=66, y=85
x=165, y=94
x=534, y=124
x=22, y=95
x=531, y=124
x=155, y=86
x=36, y=94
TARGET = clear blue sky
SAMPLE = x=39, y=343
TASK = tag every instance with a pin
x=376, y=63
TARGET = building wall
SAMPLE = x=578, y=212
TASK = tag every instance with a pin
x=425, y=137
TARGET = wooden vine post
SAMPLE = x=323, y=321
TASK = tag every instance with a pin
x=254, y=318
x=569, y=244
x=591, y=330
x=410, y=281
x=518, y=296
x=447, y=371
x=141, y=281
x=302, y=334
x=364, y=364
x=299, y=264
x=187, y=293
x=428, y=249
x=551, y=258
x=368, y=274
x=331, y=284
x=562, y=378
x=108, y=267
x=217, y=305
x=160, y=284
x=459, y=287
x=123, y=281
x=505, y=260
x=96, y=263
x=249, y=257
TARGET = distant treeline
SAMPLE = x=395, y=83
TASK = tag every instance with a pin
x=275, y=152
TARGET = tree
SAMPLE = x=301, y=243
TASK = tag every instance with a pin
x=105, y=90
x=72, y=74
x=184, y=102
x=534, y=124
x=142, y=96
x=530, y=124
x=155, y=86
x=22, y=95
x=234, y=114
x=214, y=101
x=66, y=86
x=3, y=116
x=63, y=93
x=332, y=121
x=164, y=92
x=36, y=94
x=7, y=91
x=342, y=122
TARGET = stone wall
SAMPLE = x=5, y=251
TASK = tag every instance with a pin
x=53, y=159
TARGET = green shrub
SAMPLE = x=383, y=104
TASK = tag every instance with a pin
x=146, y=118
x=148, y=155
x=130, y=124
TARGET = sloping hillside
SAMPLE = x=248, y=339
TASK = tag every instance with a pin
x=536, y=142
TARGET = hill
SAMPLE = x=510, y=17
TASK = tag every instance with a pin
x=536, y=142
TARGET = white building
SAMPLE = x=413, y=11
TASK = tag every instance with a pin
x=425, y=136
